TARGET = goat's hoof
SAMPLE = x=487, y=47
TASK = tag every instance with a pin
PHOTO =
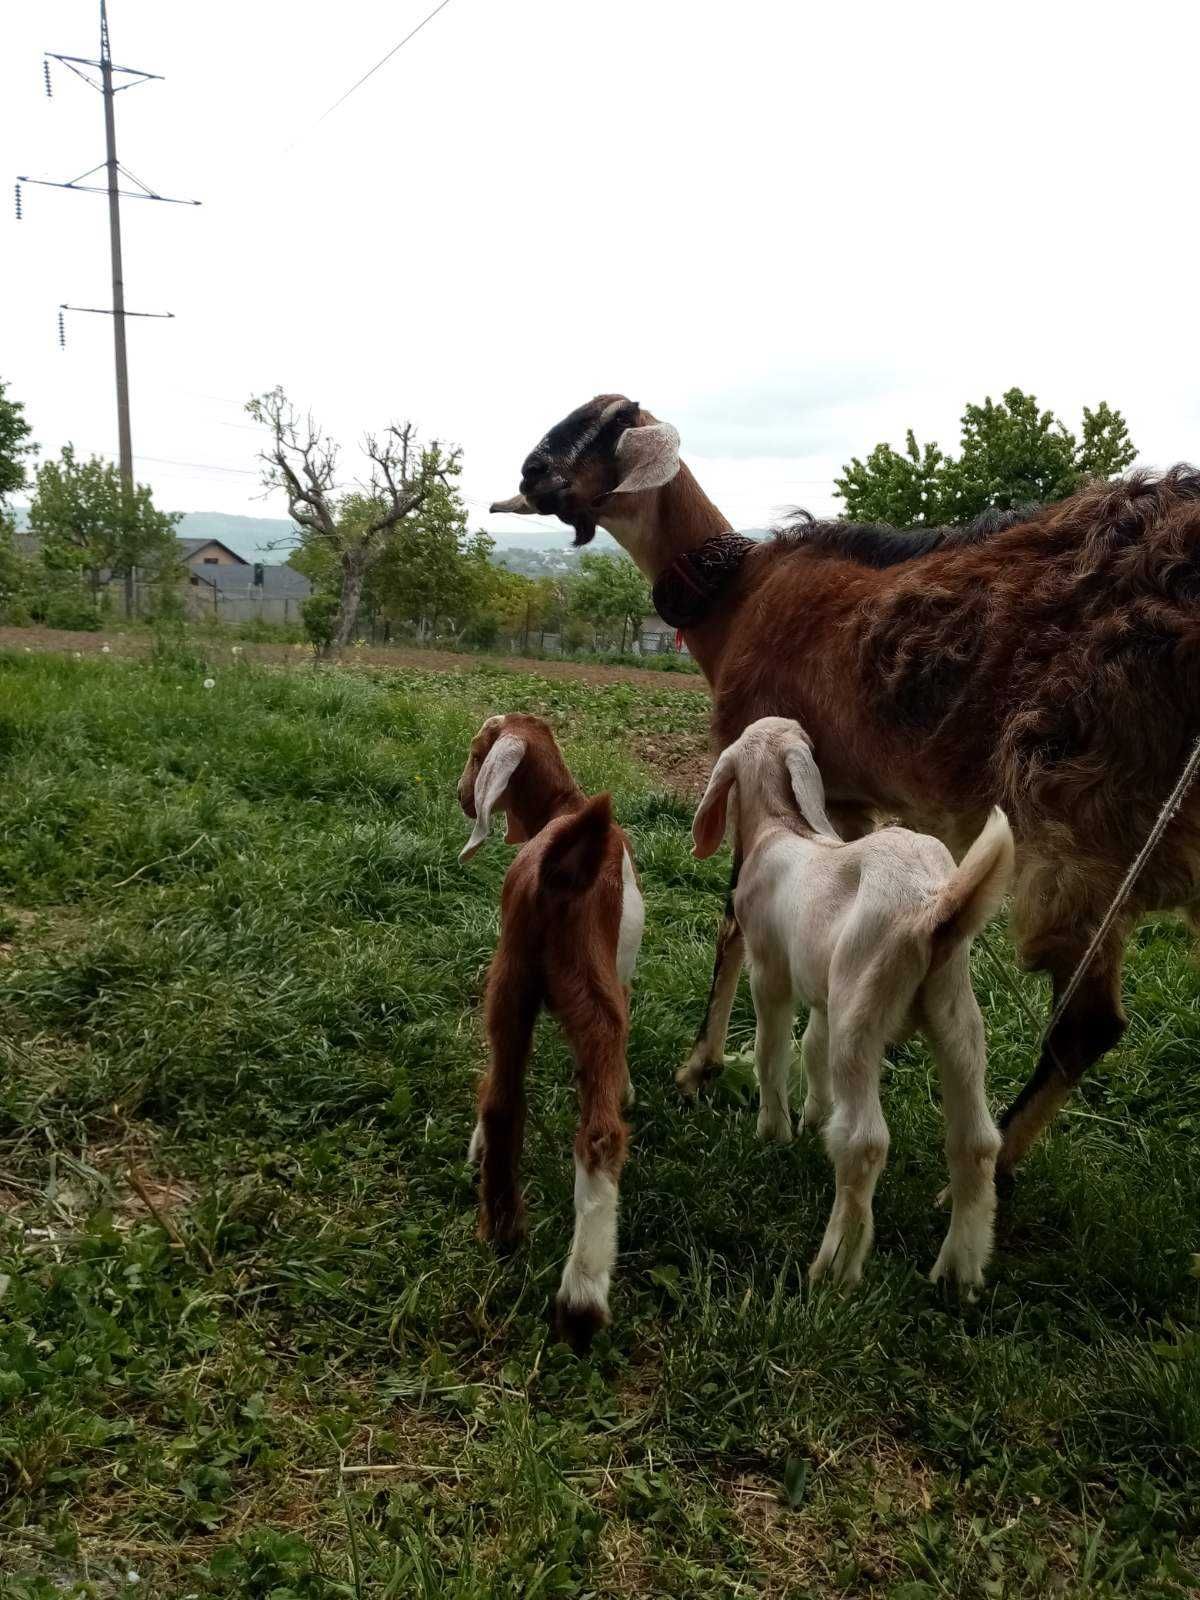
x=965, y=1274
x=774, y=1129
x=577, y=1326
x=833, y=1273
x=697, y=1073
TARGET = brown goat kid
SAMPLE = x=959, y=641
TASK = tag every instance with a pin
x=1047, y=662
x=571, y=920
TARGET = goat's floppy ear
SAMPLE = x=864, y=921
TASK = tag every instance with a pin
x=808, y=789
x=501, y=762
x=647, y=457
x=708, y=825
x=518, y=506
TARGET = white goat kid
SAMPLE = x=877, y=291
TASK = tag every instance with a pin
x=874, y=936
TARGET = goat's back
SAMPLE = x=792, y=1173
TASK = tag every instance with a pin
x=811, y=908
x=1051, y=667
x=563, y=893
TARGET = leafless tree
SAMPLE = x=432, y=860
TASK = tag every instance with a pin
x=302, y=461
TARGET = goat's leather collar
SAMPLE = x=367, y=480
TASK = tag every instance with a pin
x=684, y=594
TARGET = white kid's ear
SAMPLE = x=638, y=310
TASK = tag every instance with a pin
x=807, y=788
x=708, y=825
x=647, y=457
x=501, y=762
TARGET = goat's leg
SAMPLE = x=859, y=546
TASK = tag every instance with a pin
x=1092, y=1024
x=511, y=1012
x=955, y=1030
x=596, y=1027
x=775, y=1014
x=707, y=1059
x=814, y=1059
x=629, y=1094
x=856, y=1137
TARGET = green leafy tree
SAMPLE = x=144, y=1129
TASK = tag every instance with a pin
x=1012, y=453
x=88, y=520
x=434, y=573
x=908, y=490
x=610, y=592
x=346, y=536
x=15, y=445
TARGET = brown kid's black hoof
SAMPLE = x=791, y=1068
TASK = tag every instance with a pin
x=577, y=1326
x=504, y=1230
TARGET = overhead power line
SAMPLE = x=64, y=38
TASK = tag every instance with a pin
x=381, y=63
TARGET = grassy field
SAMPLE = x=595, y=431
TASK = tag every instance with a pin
x=249, y=1344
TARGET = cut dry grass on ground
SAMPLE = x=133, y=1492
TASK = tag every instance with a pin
x=249, y=1344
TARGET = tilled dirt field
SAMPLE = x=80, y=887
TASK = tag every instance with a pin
x=130, y=644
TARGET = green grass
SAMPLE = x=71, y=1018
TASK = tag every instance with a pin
x=239, y=972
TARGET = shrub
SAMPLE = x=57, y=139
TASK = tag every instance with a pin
x=320, y=613
x=70, y=609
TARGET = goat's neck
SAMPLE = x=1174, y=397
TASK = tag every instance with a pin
x=758, y=813
x=659, y=525
x=533, y=805
x=656, y=527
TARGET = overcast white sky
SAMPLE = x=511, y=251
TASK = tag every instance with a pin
x=791, y=229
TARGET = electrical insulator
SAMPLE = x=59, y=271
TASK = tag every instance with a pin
x=49, y=88
x=17, y=188
x=62, y=332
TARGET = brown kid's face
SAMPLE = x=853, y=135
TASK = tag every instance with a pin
x=533, y=732
x=480, y=745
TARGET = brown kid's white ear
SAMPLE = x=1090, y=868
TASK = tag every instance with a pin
x=708, y=825
x=647, y=457
x=808, y=788
x=501, y=762
x=518, y=506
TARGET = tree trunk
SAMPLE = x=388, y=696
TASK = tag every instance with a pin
x=353, y=573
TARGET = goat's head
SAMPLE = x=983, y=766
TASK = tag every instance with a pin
x=772, y=761
x=608, y=447
x=509, y=752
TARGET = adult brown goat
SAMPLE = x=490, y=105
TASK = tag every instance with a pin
x=1047, y=662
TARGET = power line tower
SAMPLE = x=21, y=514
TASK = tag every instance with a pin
x=133, y=76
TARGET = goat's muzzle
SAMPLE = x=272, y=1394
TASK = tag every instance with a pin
x=466, y=790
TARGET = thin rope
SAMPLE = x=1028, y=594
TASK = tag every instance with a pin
x=1169, y=808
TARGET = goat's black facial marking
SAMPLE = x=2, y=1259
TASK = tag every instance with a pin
x=591, y=429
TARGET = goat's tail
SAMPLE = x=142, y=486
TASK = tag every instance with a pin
x=574, y=856
x=974, y=892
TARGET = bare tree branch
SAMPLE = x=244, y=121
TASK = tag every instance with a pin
x=302, y=461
